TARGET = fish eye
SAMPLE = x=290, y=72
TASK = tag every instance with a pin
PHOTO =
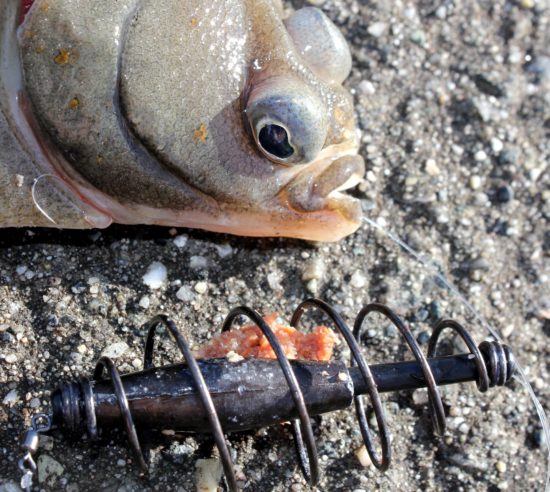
x=274, y=140
x=287, y=120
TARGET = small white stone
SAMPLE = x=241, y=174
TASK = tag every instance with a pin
x=21, y=269
x=19, y=180
x=527, y=4
x=496, y=145
x=475, y=182
x=11, y=358
x=363, y=456
x=366, y=87
x=232, y=356
x=224, y=250
x=121, y=462
x=480, y=155
x=501, y=466
x=312, y=286
x=11, y=398
x=274, y=280
x=198, y=262
x=507, y=330
x=201, y=287
x=180, y=241
x=457, y=150
x=314, y=270
x=432, y=168
x=377, y=29
x=144, y=302
x=441, y=12
x=82, y=349
x=185, y=294
x=156, y=275
x=115, y=350
x=358, y=280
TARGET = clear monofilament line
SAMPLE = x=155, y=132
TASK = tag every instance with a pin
x=442, y=279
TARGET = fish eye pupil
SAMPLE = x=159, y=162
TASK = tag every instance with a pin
x=274, y=139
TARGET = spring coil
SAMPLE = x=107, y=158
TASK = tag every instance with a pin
x=498, y=372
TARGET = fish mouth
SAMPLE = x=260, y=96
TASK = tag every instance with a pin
x=316, y=195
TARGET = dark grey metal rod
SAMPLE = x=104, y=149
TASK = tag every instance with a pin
x=247, y=394
x=405, y=375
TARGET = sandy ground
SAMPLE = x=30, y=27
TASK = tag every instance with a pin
x=454, y=102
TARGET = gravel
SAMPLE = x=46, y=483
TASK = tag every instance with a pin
x=453, y=99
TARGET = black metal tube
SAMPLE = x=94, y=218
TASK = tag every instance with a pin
x=405, y=375
x=247, y=394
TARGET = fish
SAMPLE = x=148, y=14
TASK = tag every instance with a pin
x=229, y=116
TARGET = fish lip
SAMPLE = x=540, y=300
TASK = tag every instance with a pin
x=321, y=185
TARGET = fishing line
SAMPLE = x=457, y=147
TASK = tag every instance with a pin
x=442, y=280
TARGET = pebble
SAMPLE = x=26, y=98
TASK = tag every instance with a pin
x=201, y=287
x=366, y=88
x=144, y=302
x=180, y=241
x=224, y=250
x=376, y=29
x=432, y=168
x=435, y=310
x=390, y=331
x=480, y=155
x=496, y=145
x=48, y=467
x=156, y=275
x=274, y=280
x=420, y=397
x=11, y=398
x=527, y=4
x=422, y=315
x=363, y=456
x=541, y=66
x=508, y=157
x=358, y=280
x=115, y=350
x=441, y=12
x=185, y=294
x=500, y=466
x=121, y=462
x=504, y=194
x=418, y=37
x=198, y=262
x=11, y=358
x=508, y=330
x=475, y=182
x=314, y=270
x=10, y=486
x=312, y=286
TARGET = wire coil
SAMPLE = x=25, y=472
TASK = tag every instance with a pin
x=496, y=372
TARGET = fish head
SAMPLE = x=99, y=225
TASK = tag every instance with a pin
x=230, y=117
